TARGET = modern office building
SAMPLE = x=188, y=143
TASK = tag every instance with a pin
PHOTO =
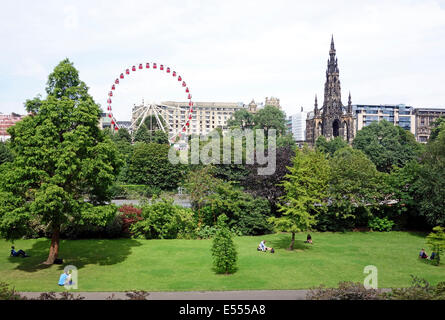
x=424, y=119
x=400, y=115
x=296, y=125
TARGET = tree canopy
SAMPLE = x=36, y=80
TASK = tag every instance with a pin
x=387, y=145
x=62, y=158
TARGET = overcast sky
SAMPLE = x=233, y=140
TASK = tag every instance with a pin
x=234, y=51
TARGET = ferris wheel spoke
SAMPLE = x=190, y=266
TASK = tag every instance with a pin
x=162, y=113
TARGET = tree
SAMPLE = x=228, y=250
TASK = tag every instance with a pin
x=61, y=159
x=223, y=249
x=353, y=185
x=329, y=147
x=269, y=186
x=123, y=134
x=430, y=186
x=5, y=153
x=438, y=125
x=143, y=134
x=242, y=119
x=306, y=189
x=387, y=145
x=150, y=165
x=271, y=117
x=436, y=240
x=246, y=214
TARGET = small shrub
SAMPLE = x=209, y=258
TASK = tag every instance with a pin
x=223, y=248
x=7, y=293
x=420, y=289
x=206, y=232
x=436, y=241
x=345, y=291
x=62, y=296
x=129, y=216
x=137, y=295
x=381, y=224
x=164, y=220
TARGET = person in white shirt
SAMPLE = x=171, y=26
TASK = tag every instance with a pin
x=262, y=246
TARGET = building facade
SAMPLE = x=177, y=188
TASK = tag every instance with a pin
x=424, y=119
x=399, y=115
x=206, y=116
x=296, y=125
x=333, y=119
x=272, y=101
x=6, y=121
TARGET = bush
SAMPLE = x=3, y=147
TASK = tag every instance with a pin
x=244, y=212
x=420, y=290
x=380, y=224
x=436, y=241
x=206, y=232
x=223, y=249
x=129, y=216
x=7, y=293
x=345, y=291
x=164, y=220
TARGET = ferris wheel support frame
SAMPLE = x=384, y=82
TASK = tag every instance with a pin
x=153, y=107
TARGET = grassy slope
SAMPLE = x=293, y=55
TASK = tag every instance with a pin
x=182, y=265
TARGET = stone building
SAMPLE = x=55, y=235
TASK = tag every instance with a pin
x=332, y=119
x=272, y=101
x=425, y=118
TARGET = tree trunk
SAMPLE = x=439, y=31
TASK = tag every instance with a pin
x=54, y=249
x=291, y=247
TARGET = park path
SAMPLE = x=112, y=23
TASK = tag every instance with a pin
x=196, y=295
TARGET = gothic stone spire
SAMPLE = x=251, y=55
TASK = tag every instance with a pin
x=332, y=93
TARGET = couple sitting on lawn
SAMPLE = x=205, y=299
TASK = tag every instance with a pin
x=262, y=247
x=423, y=255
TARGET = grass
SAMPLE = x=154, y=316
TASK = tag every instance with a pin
x=185, y=265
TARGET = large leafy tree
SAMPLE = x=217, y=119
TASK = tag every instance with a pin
x=437, y=126
x=329, y=147
x=387, y=145
x=430, y=186
x=354, y=184
x=5, y=153
x=271, y=117
x=269, y=186
x=61, y=159
x=306, y=189
x=150, y=165
x=242, y=119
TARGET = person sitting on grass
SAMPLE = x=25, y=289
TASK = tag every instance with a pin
x=433, y=255
x=262, y=247
x=18, y=253
x=422, y=254
x=65, y=279
x=308, y=239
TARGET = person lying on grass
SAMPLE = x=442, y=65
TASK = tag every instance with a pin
x=262, y=247
x=18, y=253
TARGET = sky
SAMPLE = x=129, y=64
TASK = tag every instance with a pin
x=389, y=52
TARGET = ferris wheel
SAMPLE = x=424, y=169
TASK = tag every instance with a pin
x=161, y=113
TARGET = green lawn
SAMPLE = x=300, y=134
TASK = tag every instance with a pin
x=183, y=265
